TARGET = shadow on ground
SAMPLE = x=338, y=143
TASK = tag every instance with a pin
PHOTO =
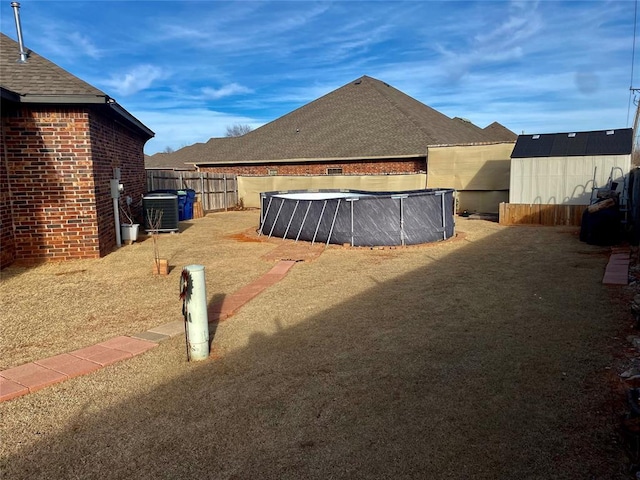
x=487, y=364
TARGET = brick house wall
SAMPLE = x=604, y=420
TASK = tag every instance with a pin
x=352, y=167
x=7, y=241
x=56, y=172
x=113, y=145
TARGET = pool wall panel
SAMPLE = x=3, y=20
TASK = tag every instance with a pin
x=364, y=219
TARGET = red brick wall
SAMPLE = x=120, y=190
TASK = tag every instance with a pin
x=7, y=240
x=56, y=162
x=115, y=146
x=356, y=167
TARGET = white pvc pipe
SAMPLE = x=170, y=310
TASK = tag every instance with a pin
x=197, y=328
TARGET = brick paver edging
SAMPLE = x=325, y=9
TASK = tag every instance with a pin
x=30, y=377
x=617, y=271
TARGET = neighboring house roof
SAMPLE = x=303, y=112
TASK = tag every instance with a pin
x=500, y=133
x=178, y=160
x=41, y=81
x=185, y=158
x=494, y=132
x=598, y=142
x=364, y=119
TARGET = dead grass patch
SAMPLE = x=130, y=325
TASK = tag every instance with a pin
x=482, y=358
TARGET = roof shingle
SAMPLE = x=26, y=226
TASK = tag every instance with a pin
x=38, y=76
x=363, y=119
x=39, y=80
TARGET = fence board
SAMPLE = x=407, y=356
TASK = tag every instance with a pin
x=215, y=191
x=536, y=214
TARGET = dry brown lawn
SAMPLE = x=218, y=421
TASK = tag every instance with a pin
x=486, y=357
x=60, y=307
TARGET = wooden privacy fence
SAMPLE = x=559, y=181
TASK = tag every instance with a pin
x=536, y=214
x=214, y=191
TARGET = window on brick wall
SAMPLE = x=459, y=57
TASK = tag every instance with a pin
x=334, y=171
x=272, y=171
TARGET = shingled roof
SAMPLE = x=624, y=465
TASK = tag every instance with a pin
x=41, y=81
x=179, y=160
x=500, y=133
x=364, y=119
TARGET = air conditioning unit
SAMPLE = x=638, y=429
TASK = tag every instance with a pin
x=167, y=204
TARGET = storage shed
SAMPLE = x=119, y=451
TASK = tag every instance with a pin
x=553, y=175
x=563, y=168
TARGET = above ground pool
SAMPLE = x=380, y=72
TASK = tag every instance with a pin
x=358, y=218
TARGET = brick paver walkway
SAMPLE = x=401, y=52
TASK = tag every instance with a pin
x=617, y=271
x=33, y=376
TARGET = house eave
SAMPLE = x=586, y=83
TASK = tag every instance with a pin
x=8, y=95
x=33, y=99
x=131, y=119
x=474, y=144
x=305, y=160
x=343, y=159
x=185, y=168
x=555, y=157
x=64, y=99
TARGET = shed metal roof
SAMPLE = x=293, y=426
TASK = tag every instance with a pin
x=572, y=144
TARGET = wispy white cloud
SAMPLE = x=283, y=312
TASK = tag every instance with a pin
x=506, y=61
x=224, y=91
x=138, y=78
x=182, y=32
x=237, y=28
x=72, y=46
x=492, y=42
x=84, y=44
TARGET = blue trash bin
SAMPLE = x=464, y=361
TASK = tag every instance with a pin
x=188, y=205
x=186, y=199
x=182, y=201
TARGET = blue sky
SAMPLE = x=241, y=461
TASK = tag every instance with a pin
x=190, y=69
